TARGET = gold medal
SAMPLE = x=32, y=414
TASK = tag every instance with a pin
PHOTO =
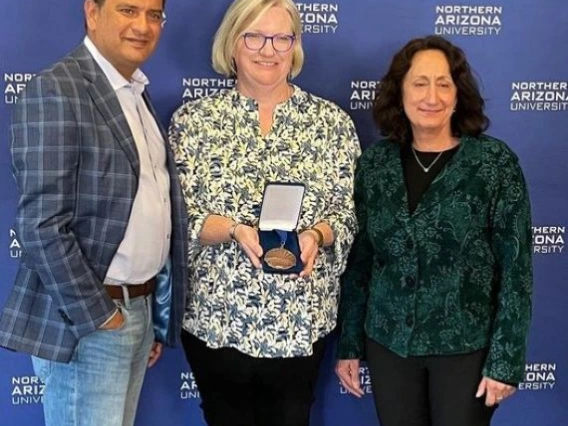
x=280, y=258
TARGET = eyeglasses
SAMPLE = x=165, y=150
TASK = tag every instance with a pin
x=280, y=42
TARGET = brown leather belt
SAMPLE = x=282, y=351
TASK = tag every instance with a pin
x=134, y=290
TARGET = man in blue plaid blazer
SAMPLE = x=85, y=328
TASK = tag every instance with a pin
x=102, y=222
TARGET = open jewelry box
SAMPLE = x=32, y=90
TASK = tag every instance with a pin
x=279, y=217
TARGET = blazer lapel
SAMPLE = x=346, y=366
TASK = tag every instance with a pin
x=106, y=102
x=461, y=167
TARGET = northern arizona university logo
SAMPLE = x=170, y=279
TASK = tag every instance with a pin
x=548, y=239
x=319, y=18
x=14, y=84
x=539, y=376
x=362, y=94
x=188, y=388
x=15, y=246
x=468, y=20
x=27, y=390
x=195, y=88
x=539, y=96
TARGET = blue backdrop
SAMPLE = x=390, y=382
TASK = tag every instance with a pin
x=516, y=48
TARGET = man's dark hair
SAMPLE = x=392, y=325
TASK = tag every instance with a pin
x=388, y=113
x=100, y=3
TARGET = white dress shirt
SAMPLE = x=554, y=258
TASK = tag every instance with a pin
x=145, y=247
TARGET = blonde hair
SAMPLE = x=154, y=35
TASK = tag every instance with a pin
x=242, y=14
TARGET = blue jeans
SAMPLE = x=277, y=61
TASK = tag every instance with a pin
x=102, y=383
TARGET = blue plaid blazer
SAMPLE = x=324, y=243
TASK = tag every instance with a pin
x=76, y=166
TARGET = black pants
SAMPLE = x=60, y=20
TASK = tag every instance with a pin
x=427, y=390
x=240, y=390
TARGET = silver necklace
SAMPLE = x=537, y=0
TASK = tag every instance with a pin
x=426, y=169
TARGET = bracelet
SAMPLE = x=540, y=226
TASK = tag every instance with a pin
x=319, y=235
x=232, y=230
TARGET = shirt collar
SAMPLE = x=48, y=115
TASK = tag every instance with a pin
x=117, y=80
x=297, y=98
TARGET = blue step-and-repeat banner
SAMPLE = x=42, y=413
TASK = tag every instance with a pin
x=516, y=47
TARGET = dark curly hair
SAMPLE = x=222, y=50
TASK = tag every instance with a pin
x=468, y=118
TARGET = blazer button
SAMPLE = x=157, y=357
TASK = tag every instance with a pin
x=410, y=282
x=65, y=317
x=409, y=321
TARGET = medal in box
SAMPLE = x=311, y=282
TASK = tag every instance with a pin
x=279, y=216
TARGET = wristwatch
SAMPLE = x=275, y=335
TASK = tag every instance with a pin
x=232, y=230
x=318, y=233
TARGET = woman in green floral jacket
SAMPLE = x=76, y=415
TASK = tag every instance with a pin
x=437, y=292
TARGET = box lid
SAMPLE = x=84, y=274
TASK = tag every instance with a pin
x=281, y=206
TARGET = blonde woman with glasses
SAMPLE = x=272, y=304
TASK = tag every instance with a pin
x=255, y=339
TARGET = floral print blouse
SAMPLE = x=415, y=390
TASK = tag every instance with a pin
x=453, y=277
x=224, y=163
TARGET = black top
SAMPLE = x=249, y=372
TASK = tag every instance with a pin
x=416, y=179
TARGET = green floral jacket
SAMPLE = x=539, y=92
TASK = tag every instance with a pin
x=453, y=277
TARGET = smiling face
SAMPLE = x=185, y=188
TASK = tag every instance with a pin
x=126, y=32
x=264, y=69
x=429, y=94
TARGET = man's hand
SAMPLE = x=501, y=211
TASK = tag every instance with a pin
x=114, y=322
x=155, y=354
